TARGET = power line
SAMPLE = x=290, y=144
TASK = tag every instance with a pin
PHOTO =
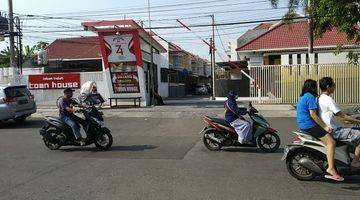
x=222, y=44
x=76, y=17
x=154, y=11
x=191, y=26
x=141, y=8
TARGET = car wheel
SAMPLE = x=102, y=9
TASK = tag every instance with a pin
x=20, y=119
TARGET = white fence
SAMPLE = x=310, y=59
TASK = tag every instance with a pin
x=282, y=84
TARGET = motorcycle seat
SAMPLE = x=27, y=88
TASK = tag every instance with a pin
x=219, y=120
x=56, y=121
x=306, y=134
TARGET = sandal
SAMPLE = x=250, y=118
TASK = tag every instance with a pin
x=335, y=177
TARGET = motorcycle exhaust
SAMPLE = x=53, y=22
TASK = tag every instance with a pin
x=211, y=137
x=310, y=165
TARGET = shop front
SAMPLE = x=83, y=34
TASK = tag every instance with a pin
x=130, y=59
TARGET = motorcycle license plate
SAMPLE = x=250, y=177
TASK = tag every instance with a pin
x=286, y=151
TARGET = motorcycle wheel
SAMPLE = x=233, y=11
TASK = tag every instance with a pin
x=268, y=142
x=209, y=144
x=104, y=140
x=51, y=145
x=296, y=170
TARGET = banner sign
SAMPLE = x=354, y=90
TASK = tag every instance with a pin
x=121, y=54
x=125, y=82
x=121, y=47
x=124, y=78
x=54, y=81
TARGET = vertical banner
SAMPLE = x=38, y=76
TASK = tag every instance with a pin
x=121, y=54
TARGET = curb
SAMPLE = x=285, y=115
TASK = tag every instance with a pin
x=191, y=113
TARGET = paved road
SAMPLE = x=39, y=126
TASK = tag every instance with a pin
x=152, y=159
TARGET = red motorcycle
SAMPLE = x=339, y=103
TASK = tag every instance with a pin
x=219, y=133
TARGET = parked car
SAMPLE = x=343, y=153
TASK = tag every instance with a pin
x=201, y=89
x=16, y=102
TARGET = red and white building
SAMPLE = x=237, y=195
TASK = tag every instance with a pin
x=279, y=43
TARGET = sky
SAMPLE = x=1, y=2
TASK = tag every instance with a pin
x=40, y=27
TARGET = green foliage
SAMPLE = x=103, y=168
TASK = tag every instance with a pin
x=5, y=57
x=342, y=14
x=29, y=52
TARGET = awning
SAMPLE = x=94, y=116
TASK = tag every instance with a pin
x=233, y=65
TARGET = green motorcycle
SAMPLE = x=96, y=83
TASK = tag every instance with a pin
x=219, y=133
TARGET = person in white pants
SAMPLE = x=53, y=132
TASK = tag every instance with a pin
x=233, y=116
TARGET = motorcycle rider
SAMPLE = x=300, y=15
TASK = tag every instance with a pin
x=329, y=108
x=233, y=116
x=66, y=113
x=95, y=96
x=309, y=121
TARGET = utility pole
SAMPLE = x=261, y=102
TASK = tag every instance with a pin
x=151, y=70
x=212, y=46
x=12, y=41
x=311, y=27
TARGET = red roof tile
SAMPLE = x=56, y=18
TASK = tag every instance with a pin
x=75, y=48
x=293, y=36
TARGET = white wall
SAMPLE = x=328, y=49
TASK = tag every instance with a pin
x=162, y=61
x=323, y=58
x=255, y=59
x=233, y=52
x=330, y=58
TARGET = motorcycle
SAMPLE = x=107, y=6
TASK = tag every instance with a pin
x=219, y=133
x=306, y=157
x=56, y=133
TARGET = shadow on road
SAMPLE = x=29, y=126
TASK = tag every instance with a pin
x=26, y=124
x=112, y=149
x=250, y=150
x=351, y=182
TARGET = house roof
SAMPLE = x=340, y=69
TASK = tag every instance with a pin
x=233, y=64
x=253, y=33
x=175, y=48
x=75, y=48
x=122, y=25
x=290, y=36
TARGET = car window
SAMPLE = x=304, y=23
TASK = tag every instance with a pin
x=14, y=92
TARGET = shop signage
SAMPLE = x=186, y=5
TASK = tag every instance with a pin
x=54, y=81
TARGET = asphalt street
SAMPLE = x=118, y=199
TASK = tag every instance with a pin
x=152, y=158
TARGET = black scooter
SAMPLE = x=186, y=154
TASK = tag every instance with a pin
x=56, y=133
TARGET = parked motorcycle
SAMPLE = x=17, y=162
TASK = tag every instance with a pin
x=306, y=157
x=56, y=133
x=219, y=133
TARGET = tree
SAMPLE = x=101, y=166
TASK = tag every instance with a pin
x=326, y=14
x=41, y=45
x=29, y=51
x=5, y=57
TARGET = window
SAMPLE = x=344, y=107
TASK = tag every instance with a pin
x=290, y=59
x=298, y=59
x=164, y=75
x=307, y=58
x=74, y=66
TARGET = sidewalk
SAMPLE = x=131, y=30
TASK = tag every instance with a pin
x=177, y=108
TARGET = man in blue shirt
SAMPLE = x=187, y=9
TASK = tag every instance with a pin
x=66, y=112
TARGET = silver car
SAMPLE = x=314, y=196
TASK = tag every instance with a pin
x=16, y=102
